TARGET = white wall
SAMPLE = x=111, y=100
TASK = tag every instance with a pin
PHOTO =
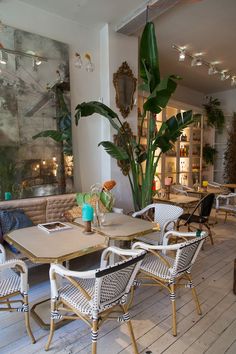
x=189, y=96
x=121, y=48
x=228, y=101
x=84, y=86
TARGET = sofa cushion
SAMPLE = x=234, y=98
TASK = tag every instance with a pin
x=12, y=220
x=34, y=208
x=57, y=205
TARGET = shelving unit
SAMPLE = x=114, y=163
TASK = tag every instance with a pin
x=184, y=162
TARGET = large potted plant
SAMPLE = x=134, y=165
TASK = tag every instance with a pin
x=130, y=151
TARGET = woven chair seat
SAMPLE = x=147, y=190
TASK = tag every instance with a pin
x=9, y=282
x=194, y=218
x=152, y=239
x=153, y=265
x=228, y=208
x=76, y=298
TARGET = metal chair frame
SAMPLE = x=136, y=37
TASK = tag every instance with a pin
x=12, y=285
x=101, y=309
x=179, y=276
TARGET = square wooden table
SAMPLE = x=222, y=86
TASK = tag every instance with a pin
x=55, y=247
x=178, y=199
x=122, y=227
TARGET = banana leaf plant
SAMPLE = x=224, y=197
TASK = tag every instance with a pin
x=142, y=161
x=62, y=135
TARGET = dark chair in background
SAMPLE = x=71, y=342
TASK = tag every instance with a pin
x=204, y=208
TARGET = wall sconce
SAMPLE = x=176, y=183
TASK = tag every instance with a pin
x=78, y=61
x=89, y=66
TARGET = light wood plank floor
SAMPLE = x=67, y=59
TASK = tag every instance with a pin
x=213, y=332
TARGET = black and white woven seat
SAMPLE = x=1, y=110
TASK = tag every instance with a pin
x=93, y=295
x=165, y=215
x=162, y=270
x=226, y=203
x=11, y=285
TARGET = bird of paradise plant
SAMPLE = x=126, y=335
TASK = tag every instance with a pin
x=130, y=151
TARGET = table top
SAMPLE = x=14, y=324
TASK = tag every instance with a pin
x=230, y=185
x=178, y=199
x=56, y=247
x=209, y=190
x=122, y=227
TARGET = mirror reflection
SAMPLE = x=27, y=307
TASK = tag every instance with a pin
x=35, y=121
x=125, y=86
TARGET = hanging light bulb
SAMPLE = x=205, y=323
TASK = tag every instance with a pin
x=44, y=162
x=182, y=54
x=78, y=61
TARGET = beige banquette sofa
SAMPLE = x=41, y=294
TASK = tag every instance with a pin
x=42, y=209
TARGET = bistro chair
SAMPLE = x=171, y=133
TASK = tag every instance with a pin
x=12, y=285
x=160, y=269
x=226, y=203
x=204, y=208
x=94, y=295
x=180, y=189
x=166, y=215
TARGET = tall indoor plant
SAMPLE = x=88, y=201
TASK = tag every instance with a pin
x=130, y=151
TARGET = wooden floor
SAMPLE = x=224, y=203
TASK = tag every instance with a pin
x=213, y=332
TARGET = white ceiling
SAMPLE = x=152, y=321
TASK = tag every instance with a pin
x=207, y=26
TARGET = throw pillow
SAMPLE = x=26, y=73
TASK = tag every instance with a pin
x=12, y=220
x=73, y=213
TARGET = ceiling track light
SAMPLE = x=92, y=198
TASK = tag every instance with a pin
x=17, y=53
x=224, y=75
x=197, y=60
x=233, y=81
x=182, y=54
x=212, y=70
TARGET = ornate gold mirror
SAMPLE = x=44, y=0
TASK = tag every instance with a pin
x=125, y=86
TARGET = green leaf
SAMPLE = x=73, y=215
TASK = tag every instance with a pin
x=53, y=134
x=115, y=151
x=149, y=67
x=160, y=95
x=172, y=129
x=86, y=109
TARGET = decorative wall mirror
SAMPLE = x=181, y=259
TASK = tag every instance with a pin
x=125, y=86
x=34, y=102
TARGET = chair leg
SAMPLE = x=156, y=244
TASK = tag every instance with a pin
x=226, y=214
x=172, y=299
x=52, y=324
x=194, y=294
x=130, y=328
x=8, y=304
x=210, y=233
x=27, y=321
x=94, y=332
